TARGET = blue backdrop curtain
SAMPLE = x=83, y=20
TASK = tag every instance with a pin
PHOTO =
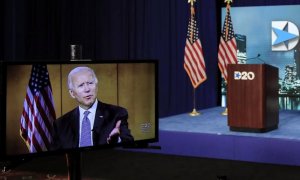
x=121, y=29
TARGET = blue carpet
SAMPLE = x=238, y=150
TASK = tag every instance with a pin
x=208, y=135
x=211, y=121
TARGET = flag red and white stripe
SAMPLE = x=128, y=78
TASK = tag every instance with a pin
x=227, y=53
x=194, y=63
x=38, y=111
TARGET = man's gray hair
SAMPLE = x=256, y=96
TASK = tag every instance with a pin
x=76, y=70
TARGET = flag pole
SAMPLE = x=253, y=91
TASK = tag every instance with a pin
x=194, y=112
x=193, y=58
x=225, y=112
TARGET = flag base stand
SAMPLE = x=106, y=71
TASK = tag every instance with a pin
x=225, y=113
x=7, y=166
x=194, y=113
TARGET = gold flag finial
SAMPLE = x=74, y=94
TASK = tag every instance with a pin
x=192, y=6
x=228, y=1
x=191, y=2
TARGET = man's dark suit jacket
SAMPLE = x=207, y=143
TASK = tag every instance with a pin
x=66, y=128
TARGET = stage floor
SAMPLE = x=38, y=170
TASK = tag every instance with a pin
x=212, y=121
x=208, y=135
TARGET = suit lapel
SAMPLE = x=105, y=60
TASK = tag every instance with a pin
x=75, y=127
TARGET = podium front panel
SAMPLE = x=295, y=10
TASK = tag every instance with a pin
x=252, y=97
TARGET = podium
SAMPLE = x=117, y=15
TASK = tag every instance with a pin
x=252, y=97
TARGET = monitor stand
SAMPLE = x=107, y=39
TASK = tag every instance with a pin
x=5, y=167
x=74, y=165
x=74, y=158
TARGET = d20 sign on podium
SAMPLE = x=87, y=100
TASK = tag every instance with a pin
x=252, y=97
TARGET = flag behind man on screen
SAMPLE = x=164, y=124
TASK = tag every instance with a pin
x=38, y=110
x=194, y=63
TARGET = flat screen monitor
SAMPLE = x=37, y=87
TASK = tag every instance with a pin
x=41, y=114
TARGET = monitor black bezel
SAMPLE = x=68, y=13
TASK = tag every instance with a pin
x=3, y=99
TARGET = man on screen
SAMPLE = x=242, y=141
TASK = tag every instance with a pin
x=92, y=122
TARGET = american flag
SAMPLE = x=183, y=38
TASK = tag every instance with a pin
x=38, y=110
x=194, y=63
x=227, y=48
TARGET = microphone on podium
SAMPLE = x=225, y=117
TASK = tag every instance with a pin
x=257, y=57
